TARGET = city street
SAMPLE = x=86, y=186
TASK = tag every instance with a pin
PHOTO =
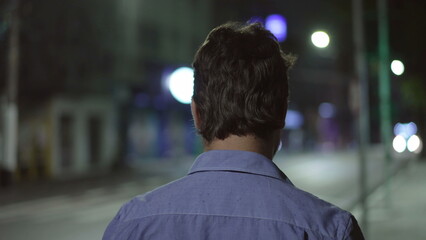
x=84, y=208
x=103, y=100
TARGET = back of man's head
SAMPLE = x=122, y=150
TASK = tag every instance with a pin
x=240, y=82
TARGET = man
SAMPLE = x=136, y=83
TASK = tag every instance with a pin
x=234, y=190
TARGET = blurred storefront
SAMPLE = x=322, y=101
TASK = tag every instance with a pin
x=67, y=138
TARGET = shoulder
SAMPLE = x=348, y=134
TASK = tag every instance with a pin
x=321, y=216
x=280, y=202
x=153, y=202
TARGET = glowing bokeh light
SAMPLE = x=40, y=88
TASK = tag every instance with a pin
x=277, y=25
x=414, y=144
x=399, y=144
x=397, y=67
x=405, y=129
x=293, y=120
x=327, y=110
x=320, y=39
x=181, y=84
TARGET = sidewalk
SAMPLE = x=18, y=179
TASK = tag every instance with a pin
x=153, y=171
x=334, y=176
x=405, y=218
x=28, y=191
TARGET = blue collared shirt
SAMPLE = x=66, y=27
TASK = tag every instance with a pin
x=231, y=195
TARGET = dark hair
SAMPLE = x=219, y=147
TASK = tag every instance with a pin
x=240, y=82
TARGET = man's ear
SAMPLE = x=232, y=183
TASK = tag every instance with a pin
x=195, y=115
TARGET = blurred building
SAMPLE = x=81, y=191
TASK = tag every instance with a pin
x=90, y=70
x=66, y=137
x=98, y=69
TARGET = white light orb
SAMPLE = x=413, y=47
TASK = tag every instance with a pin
x=413, y=143
x=397, y=67
x=320, y=39
x=181, y=84
x=399, y=144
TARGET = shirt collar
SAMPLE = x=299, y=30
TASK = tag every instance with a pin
x=239, y=161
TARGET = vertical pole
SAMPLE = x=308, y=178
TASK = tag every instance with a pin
x=11, y=109
x=363, y=117
x=384, y=92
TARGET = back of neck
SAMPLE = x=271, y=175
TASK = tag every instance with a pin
x=244, y=143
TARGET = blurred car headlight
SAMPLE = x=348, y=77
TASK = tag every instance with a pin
x=399, y=144
x=414, y=144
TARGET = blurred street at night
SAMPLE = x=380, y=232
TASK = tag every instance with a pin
x=95, y=107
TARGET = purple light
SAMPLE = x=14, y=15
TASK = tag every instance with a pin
x=293, y=120
x=277, y=25
x=405, y=129
x=327, y=110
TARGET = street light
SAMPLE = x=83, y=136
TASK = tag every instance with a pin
x=320, y=39
x=397, y=67
x=181, y=84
